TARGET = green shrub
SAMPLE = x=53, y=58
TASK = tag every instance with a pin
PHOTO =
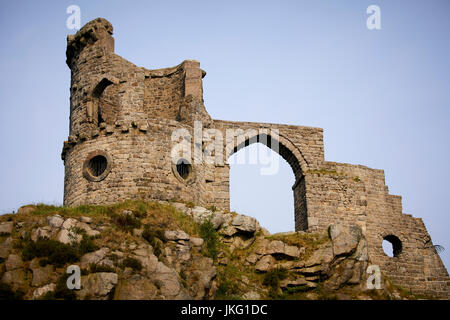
x=141, y=210
x=94, y=268
x=210, y=236
x=212, y=208
x=132, y=263
x=87, y=245
x=55, y=252
x=126, y=222
x=272, y=279
x=154, y=236
x=61, y=291
x=227, y=290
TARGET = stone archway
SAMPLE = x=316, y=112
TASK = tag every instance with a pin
x=293, y=157
x=104, y=102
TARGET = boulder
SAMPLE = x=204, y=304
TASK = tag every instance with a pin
x=358, y=272
x=251, y=295
x=40, y=292
x=299, y=281
x=196, y=242
x=245, y=223
x=41, y=233
x=261, y=246
x=15, y=278
x=147, y=259
x=242, y=241
x=362, y=251
x=217, y=220
x=228, y=231
x=167, y=281
x=55, y=221
x=176, y=235
x=277, y=247
x=340, y=275
x=93, y=257
x=42, y=275
x=97, y=285
x=69, y=223
x=314, y=270
x=252, y=258
x=13, y=262
x=345, y=239
x=201, y=276
x=265, y=264
x=87, y=220
x=5, y=248
x=68, y=236
x=89, y=232
x=321, y=256
x=199, y=214
x=137, y=287
x=6, y=227
x=183, y=252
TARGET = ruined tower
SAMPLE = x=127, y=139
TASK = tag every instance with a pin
x=122, y=121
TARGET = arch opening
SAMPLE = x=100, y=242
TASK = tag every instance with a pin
x=105, y=102
x=184, y=168
x=279, y=172
x=392, y=246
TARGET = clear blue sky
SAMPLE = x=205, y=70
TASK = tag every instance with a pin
x=382, y=96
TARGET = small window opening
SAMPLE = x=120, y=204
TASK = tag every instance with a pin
x=392, y=246
x=184, y=168
x=97, y=165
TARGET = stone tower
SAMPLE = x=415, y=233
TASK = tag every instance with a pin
x=121, y=142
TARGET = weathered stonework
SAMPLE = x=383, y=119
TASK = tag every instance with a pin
x=128, y=114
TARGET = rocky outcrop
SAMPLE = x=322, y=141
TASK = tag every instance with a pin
x=6, y=227
x=135, y=254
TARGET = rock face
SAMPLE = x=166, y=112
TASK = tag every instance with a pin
x=97, y=285
x=345, y=239
x=6, y=227
x=40, y=292
x=172, y=263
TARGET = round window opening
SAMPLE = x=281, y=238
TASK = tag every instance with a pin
x=392, y=246
x=97, y=166
x=184, y=168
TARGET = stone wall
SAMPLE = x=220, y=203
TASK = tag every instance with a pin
x=122, y=118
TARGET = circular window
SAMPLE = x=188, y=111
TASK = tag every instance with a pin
x=184, y=168
x=184, y=171
x=97, y=166
x=392, y=246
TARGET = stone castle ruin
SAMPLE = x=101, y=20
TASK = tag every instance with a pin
x=122, y=118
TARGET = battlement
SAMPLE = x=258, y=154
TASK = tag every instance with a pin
x=98, y=32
